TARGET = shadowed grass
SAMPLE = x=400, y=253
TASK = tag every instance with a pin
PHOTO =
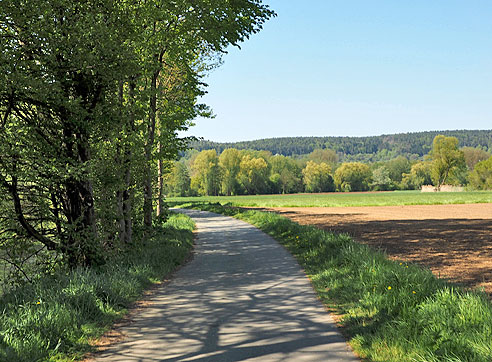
x=390, y=311
x=54, y=319
x=391, y=198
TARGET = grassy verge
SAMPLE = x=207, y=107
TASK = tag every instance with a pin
x=390, y=311
x=391, y=198
x=55, y=318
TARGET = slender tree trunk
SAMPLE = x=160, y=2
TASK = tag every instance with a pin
x=160, y=187
x=120, y=160
x=127, y=204
x=124, y=195
x=127, y=194
x=148, y=152
x=124, y=203
x=121, y=218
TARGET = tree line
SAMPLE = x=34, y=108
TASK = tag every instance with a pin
x=364, y=149
x=248, y=172
x=92, y=97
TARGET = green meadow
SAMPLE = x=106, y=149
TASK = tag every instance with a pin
x=390, y=198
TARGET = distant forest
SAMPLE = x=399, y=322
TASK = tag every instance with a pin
x=364, y=149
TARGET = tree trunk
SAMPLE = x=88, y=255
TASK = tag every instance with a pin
x=160, y=184
x=81, y=243
x=124, y=204
x=127, y=203
x=148, y=152
x=120, y=160
x=127, y=194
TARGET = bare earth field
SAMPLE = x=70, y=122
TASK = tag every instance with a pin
x=454, y=241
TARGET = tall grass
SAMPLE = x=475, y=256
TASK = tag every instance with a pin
x=55, y=318
x=346, y=199
x=389, y=311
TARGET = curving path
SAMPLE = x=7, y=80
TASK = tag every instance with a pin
x=242, y=298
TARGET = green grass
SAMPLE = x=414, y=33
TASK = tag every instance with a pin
x=346, y=199
x=390, y=311
x=55, y=319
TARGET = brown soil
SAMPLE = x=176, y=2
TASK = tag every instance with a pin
x=454, y=241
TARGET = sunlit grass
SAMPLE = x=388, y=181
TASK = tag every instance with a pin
x=346, y=199
x=54, y=319
x=390, y=310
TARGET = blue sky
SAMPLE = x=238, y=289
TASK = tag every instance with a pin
x=356, y=68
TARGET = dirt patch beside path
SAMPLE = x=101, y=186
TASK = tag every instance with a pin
x=454, y=241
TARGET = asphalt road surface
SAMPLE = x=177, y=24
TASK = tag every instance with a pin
x=241, y=298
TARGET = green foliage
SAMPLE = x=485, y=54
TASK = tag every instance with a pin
x=58, y=315
x=420, y=174
x=253, y=175
x=93, y=96
x=381, y=180
x=206, y=173
x=58, y=67
x=317, y=177
x=323, y=155
x=178, y=180
x=397, y=167
x=353, y=176
x=447, y=159
x=473, y=156
x=285, y=175
x=391, y=311
x=362, y=149
x=230, y=161
x=481, y=176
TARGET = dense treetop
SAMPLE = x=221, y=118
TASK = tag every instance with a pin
x=370, y=149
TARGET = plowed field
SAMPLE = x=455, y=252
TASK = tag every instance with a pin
x=454, y=241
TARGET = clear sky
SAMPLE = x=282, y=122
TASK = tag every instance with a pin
x=356, y=68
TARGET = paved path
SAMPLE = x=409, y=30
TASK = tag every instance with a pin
x=242, y=298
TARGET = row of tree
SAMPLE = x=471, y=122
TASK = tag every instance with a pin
x=92, y=96
x=236, y=172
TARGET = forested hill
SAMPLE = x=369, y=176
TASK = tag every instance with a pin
x=413, y=145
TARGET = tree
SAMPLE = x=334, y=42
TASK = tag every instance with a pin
x=446, y=158
x=230, y=162
x=473, y=156
x=397, y=167
x=481, y=176
x=253, y=175
x=419, y=175
x=381, y=180
x=317, y=177
x=60, y=64
x=92, y=97
x=353, y=176
x=178, y=180
x=182, y=36
x=285, y=174
x=206, y=177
